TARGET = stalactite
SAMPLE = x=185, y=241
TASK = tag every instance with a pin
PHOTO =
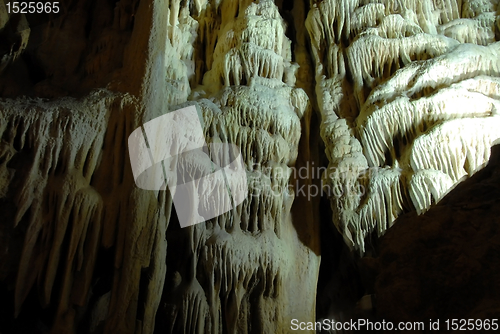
x=416, y=84
x=408, y=98
x=57, y=203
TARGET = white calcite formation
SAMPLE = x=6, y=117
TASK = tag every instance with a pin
x=408, y=93
x=65, y=166
x=243, y=263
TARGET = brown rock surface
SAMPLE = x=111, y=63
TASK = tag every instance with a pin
x=445, y=263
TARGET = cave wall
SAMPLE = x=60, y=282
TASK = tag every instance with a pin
x=396, y=101
x=399, y=84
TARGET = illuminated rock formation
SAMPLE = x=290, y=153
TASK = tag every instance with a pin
x=404, y=97
x=407, y=109
x=242, y=265
x=66, y=171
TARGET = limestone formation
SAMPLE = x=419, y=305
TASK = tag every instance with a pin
x=248, y=98
x=408, y=93
x=66, y=169
x=404, y=97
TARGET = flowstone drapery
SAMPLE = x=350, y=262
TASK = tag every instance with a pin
x=408, y=93
x=403, y=96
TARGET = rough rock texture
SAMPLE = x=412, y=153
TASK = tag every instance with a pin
x=408, y=93
x=69, y=201
x=402, y=96
x=443, y=264
x=14, y=36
